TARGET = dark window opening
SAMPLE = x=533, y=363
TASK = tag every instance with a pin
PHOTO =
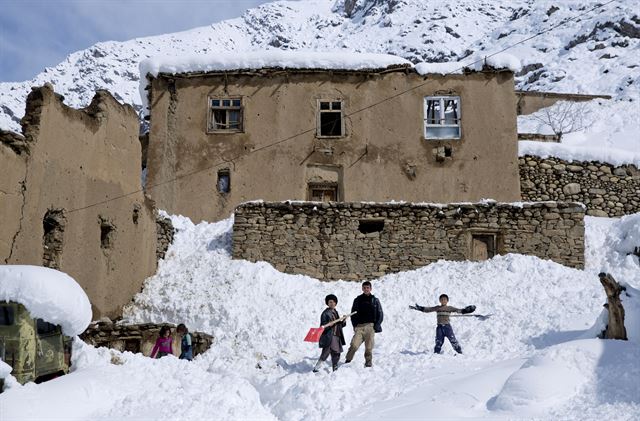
x=330, y=119
x=483, y=246
x=367, y=226
x=45, y=328
x=448, y=151
x=136, y=214
x=107, y=232
x=53, y=225
x=7, y=315
x=323, y=192
x=224, y=181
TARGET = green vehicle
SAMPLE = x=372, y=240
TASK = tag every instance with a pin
x=35, y=349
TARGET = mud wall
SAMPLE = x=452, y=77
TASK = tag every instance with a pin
x=59, y=188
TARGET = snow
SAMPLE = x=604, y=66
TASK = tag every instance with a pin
x=590, y=55
x=536, y=357
x=446, y=68
x=576, y=153
x=613, y=139
x=48, y=294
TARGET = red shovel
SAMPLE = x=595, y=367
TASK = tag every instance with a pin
x=315, y=332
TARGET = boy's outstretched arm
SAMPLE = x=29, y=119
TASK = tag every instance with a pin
x=422, y=308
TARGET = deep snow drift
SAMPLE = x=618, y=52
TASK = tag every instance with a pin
x=536, y=357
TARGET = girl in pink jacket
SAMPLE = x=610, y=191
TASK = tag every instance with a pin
x=163, y=343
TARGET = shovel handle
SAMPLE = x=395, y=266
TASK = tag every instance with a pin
x=340, y=319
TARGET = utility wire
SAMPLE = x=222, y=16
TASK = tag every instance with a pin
x=389, y=98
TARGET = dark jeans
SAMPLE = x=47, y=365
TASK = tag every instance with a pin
x=443, y=331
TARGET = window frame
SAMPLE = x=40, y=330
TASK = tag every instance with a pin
x=323, y=186
x=441, y=124
x=211, y=115
x=320, y=111
x=223, y=172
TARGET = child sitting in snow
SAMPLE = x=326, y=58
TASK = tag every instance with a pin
x=444, y=328
x=186, y=344
x=163, y=343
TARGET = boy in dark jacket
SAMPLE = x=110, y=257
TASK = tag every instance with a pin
x=444, y=329
x=332, y=338
x=366, y=323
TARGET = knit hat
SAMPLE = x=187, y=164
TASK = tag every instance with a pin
x=330, y=297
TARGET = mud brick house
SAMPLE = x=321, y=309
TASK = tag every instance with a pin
x=57, y=178
x=308, y=126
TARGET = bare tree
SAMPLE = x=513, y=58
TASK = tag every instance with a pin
x=564, y=117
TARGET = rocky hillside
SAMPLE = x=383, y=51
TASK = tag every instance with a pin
x=596, y=53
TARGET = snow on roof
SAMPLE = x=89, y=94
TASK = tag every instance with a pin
x=48, y=294
x=498, y=61
x=269, y=59
x=340, y=60
x=578, y=153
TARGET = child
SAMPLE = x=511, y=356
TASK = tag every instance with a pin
x=163, y=343
x=332, y=338
x=186, y=344
x=444, y=328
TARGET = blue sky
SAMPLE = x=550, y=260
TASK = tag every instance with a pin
x=35, y=34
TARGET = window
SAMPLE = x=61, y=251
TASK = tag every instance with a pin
x=330, y=122
x=7, y=315
x=224, y=181
x=367, y=226
x=225, y=115
x=442, y=117
x=324, y=192
x=45, y=328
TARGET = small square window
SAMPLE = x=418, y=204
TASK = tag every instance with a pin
x=330, y=119
x=225, y=115
x=442, y=117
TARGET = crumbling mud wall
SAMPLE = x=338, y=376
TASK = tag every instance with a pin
x=58, y=181
x=355, y=241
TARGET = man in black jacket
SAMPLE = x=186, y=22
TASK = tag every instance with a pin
x=366, y=323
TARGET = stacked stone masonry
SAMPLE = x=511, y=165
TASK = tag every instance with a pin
x=606, y=190
x=138, y=337
x=164, y=234
x=356, y=241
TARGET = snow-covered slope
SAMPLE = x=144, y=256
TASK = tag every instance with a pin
x=535, y=357
x=596, y=54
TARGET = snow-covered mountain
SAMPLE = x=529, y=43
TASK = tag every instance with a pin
x=595, y=53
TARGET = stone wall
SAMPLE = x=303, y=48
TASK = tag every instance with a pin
x=365, y=240
x=606, y=190
x=139, y=337
x=164, y=235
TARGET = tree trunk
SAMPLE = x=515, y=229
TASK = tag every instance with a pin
x=615, y=327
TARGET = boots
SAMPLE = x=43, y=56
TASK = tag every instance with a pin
x=317, y=366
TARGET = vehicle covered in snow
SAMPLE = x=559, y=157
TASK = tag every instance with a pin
x=41, y=309
x=35, y=349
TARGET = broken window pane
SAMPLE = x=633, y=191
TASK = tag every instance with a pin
x=220, y=119
x=442, y=117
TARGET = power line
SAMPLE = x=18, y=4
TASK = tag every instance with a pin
x=389, y=98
